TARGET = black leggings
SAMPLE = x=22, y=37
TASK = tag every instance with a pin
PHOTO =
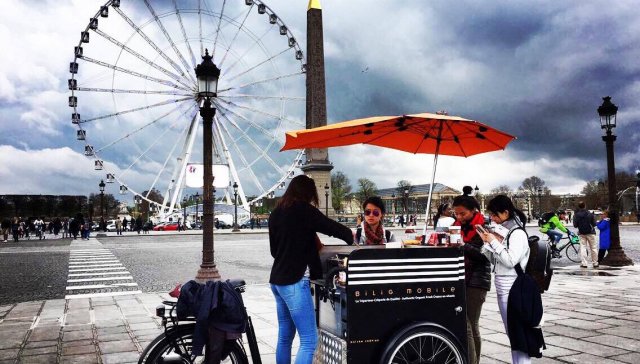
x=601, y=254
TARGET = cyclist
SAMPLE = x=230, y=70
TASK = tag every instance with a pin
x=550, y=222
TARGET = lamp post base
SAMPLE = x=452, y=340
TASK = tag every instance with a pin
x=616, y=258
x=235, y=229
x=206, y=274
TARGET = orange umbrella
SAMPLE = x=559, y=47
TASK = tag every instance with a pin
x=418, y=133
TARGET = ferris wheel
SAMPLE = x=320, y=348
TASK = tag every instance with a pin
x=135, y=105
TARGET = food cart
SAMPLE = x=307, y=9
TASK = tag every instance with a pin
x=391, y=305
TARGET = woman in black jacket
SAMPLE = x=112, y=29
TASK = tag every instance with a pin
x=293, y=241
x=477, y=269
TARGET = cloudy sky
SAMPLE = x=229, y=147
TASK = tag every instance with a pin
x=536, y=70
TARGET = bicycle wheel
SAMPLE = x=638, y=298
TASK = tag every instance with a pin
x=573, y=253
x=425, y=345
x=176, y=348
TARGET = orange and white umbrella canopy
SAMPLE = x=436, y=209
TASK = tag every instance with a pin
x=418, y=133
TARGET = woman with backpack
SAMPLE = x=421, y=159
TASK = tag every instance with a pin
x=371, y=231
x=506, y=250
x=477, y=269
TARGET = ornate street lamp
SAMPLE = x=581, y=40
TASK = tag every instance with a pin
x=197, y=199
x=406, y=200
x=326, y=199
x=138, y=200
x=235, y=207
x=393, y=206
x=208, y=75
x=477, y=190
x=539, y=190
x=616, y=256
x=184, y=211
x=101, y=185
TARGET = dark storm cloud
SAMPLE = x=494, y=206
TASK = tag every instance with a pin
x=543, y=70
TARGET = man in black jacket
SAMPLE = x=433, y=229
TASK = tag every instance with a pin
x=586, y=222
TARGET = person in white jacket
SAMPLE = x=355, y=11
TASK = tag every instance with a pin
x=506, y=247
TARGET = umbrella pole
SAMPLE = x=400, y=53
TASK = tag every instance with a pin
x=433, y=178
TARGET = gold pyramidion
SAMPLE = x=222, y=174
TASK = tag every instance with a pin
x=314, y=4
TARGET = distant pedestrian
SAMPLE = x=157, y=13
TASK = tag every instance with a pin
x=605, y=235
x=57, y=226
x=179, y=224
x=252, y=222
x=15, y=228
x=124, y=224
x=638, y=216
x=74, y=227
x=146, y=226
x=65, y=228
x=118, y=226
x=258, y=223
x=5, y=226
x=585, y=221
x=401, y=220
x=138, y=224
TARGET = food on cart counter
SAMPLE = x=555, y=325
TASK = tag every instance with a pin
x=411, y=242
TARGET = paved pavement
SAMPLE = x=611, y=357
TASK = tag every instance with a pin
x=592, y=316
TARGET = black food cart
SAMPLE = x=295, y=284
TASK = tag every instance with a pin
x=382, y=305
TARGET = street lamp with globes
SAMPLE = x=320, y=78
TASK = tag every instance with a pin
x=616, y=256
x=208, y=75
x=235, y=207
x=101, y=185
x=326, y=199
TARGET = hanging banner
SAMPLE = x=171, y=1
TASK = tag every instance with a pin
x=195, y=173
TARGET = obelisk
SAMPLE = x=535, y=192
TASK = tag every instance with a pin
x=317, y=164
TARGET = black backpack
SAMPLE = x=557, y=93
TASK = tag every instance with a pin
x=539, y=263
x=545, y=219
x=387, y=234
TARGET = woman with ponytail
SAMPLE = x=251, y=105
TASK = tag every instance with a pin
x=506, y=252
x=443, y=217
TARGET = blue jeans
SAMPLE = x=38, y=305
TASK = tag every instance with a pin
x=555, y=236
x=295, y=312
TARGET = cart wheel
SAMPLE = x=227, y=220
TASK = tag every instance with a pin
x=424, y=345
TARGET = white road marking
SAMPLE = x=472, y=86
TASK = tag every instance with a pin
x=99, y=279
x=96, y=270
x=100, y=294
x=101, y=286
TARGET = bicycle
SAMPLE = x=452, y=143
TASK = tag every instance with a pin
x=175, y=344
x=571, y=248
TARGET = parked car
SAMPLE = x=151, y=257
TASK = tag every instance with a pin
x=166, y=226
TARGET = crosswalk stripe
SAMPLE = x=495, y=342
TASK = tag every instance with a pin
x=99, y=279
x=98, y=269
x=100, y=294
x=102, y=286
x=95, y=265
x=95, y=269
x=97, y=274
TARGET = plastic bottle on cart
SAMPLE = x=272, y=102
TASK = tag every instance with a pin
x=455, y=235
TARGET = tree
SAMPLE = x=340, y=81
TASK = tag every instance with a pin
x=502, y=190
x=531, y=186
x=153, y=195
x=366, y=189
x=404, y=190
x=340, y=188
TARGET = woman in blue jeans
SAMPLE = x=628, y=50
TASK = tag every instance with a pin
x=294, y=245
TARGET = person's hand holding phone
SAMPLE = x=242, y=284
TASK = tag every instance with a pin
x=484, y=234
